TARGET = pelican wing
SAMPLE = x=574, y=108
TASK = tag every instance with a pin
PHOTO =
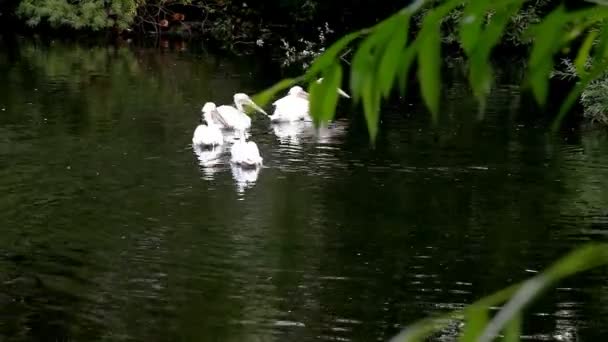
x=291, y=108
x=219, y=118
x=234, y=118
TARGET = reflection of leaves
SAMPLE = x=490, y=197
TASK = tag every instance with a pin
x=81, y=86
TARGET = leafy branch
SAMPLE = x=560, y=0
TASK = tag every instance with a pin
x=385, y=53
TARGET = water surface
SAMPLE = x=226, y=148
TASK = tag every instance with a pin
x=114, y=228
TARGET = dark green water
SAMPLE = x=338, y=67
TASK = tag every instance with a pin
x=111, y=229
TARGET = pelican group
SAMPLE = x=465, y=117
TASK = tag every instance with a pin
x=228, y=121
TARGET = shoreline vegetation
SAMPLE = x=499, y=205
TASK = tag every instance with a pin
x=296, y=32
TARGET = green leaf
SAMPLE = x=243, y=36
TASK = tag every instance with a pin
x=471, y=23
x=601, y=48
x=362, y=69
x=324, y=95
x=264, y=97
x=480, y=76
x=429, y=64
x=583, y=53
x=513, y=329
x=480, y=69
x=329, y=57
x=408, y=56
x=547, y=36
x=391, y=57
x=591, y=256
x=476, y=318
x=371, y=108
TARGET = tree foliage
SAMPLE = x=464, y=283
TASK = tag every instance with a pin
x=86, y=14
x=387, y=53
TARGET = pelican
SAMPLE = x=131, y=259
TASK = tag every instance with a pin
x=209, y=160
x=290, y=133
x=245, y=153
x=210, y=134
x=244, y=178
x=230, y=117
x=295, y=106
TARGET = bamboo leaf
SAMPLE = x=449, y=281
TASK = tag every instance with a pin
x=480, y=72
x=324, y=95
x=362, y=68
x=583, y=53
x=547, y=36
x=429, y=64
x=471, y=24
x=513, y=329
x=590, y=256
x=371, y=109
x=391, y=57
x=264, y=97
x=330, y=55
x=476, y=319
x=601, y=48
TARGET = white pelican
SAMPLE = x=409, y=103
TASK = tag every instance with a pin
x=210, y=134
x=295, y=106
x=230, y=117
x=290, y=133
x=243, y=177
x=245, y=153
x=209, y=160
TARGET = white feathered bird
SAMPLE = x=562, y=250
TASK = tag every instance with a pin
x=245, y=153
x=295, y=106
x=210, y=134
x=230, y=117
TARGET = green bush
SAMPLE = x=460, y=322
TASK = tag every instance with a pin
x=87, y=14
x=595, y=101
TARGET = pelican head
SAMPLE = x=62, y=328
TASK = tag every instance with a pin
x=340, y=91
x=241, y=100
x=295, y=90
x=208, y=107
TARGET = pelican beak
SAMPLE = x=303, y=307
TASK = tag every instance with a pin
x=343, y=93
x=256, y=107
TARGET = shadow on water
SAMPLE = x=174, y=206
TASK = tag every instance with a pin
x=114, y=227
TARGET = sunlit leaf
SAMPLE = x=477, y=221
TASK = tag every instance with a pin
x=362, y=69
x=471, y=24
x=476, y=318
x=513, y=329
x=392, y=54
x=371, y=108
x=264, y=97
x=324, y=95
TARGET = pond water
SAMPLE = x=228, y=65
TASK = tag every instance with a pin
x=114, y=228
